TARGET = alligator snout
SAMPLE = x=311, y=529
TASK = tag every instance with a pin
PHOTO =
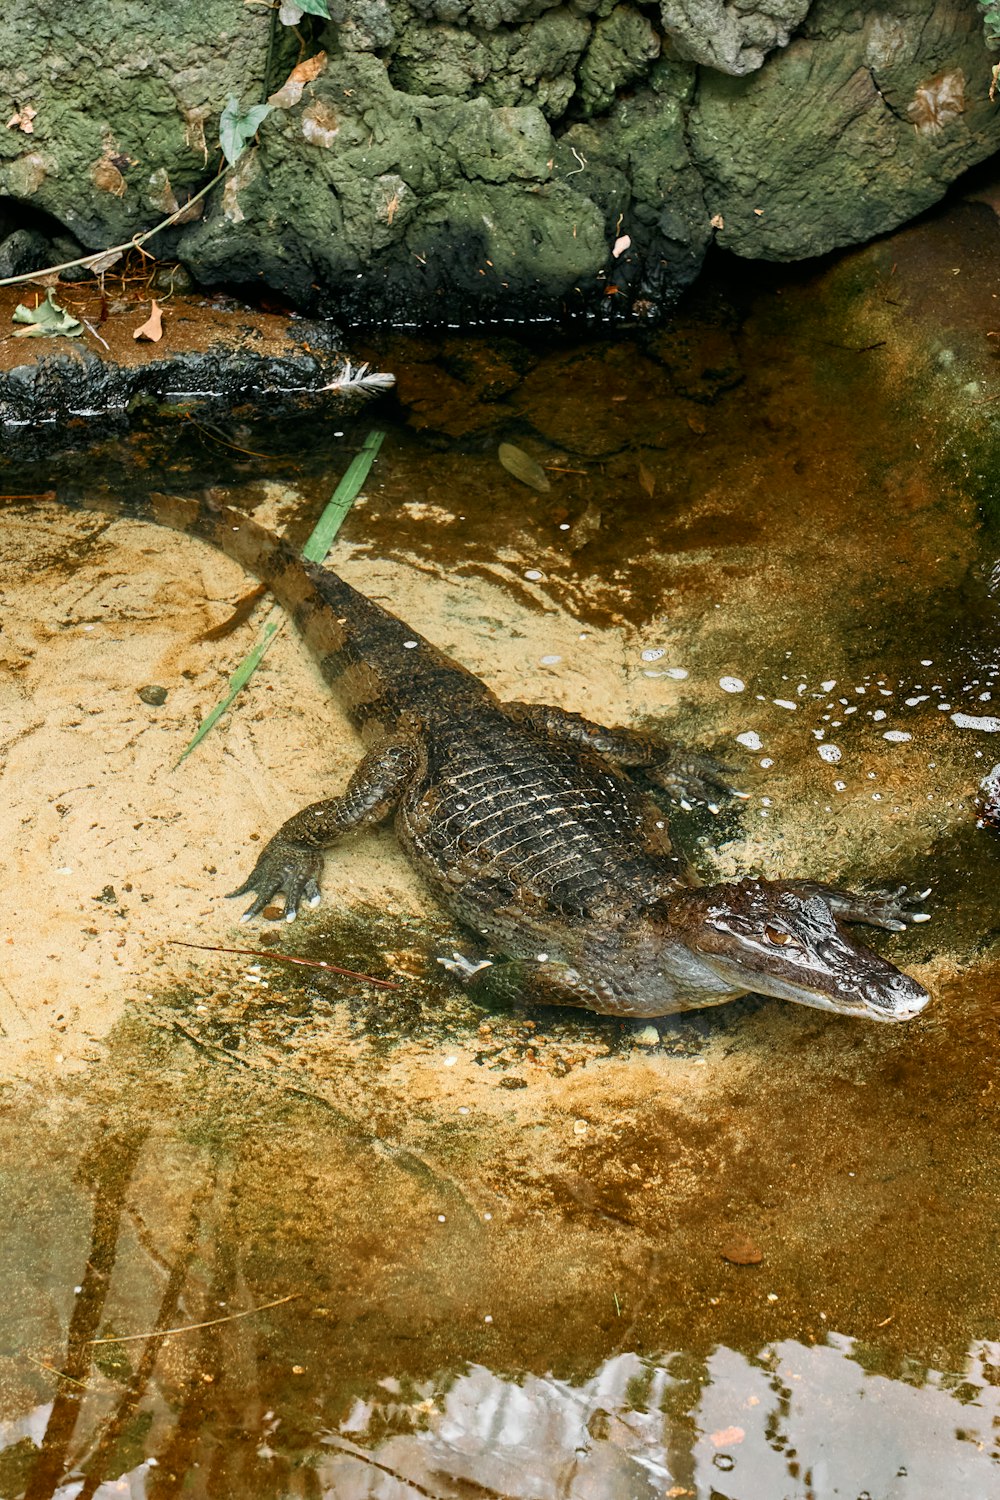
x=896, y=998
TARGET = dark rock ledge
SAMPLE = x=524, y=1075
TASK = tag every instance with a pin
x=213, y=351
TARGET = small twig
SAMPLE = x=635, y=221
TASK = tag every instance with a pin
x=159, y=1333
x=135, y=243
x=97, y=336
x=225, y=443
x=215, y=1053
x=287, y=958
x=53, y=1371
x=334, y=1440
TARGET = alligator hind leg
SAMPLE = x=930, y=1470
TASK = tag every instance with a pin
x=685, y=774
x=894, y=909
x=292, y=861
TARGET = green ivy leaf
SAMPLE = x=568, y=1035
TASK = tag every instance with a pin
x=236, y=129
x=315, y=8
x=47, y=320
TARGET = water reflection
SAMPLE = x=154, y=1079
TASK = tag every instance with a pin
x=793, y=1422
x=230, y=1295
x=798, y=1422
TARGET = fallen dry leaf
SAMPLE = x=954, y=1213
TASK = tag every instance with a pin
x=647, y=480
x=152, y=329
x=727, y=1435
x=291, y=90
x=741, y=1251
x=22, y=119
x=620, y=245
x=106, y=176
x=717, y=221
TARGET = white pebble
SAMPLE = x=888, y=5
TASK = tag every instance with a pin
x=897, y=736
x=533, y=575
x=750, y=738
x=829, y=686
x=785, y=703
x=830, y=753
x=732, y=684
x=548, y=661
x=409, y=645
x=767, y=761
x=878, y=715
x=653, y=653
x=679, y=674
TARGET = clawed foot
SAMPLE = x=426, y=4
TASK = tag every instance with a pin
x=283, y=867
x=895, y=910
x=690, y=778
x=463, y=968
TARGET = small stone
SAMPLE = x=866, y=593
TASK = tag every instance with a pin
x=153, y=694
x=580, y=1127
x=741, y=1251
x=647, y=1037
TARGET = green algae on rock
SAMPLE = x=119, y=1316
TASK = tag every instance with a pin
x=462, y=157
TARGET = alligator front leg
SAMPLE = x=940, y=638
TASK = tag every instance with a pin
x=686, y=775
x=292, y=861
x=895, y=910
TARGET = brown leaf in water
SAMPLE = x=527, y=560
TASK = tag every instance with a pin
x=741, y=1251
x=242, y=611
x=152, y=329
x=647, y=480
x=523, y=467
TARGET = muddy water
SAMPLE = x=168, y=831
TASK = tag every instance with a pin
x=274, y=1234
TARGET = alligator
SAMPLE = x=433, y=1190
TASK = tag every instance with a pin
x=529, y=824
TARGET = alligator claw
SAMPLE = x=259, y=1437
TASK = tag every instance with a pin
x=463, y=968
x=893, y=909
x=287, y=868
x=688, y=778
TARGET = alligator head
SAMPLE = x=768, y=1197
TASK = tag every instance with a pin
x=772, y=939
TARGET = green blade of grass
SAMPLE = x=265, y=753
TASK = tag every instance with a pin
x=320, y=540
x=322, y=536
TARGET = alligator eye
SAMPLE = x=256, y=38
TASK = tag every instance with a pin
x=776, y=936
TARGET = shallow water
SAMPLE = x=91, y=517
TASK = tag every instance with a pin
x=273, y=1234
